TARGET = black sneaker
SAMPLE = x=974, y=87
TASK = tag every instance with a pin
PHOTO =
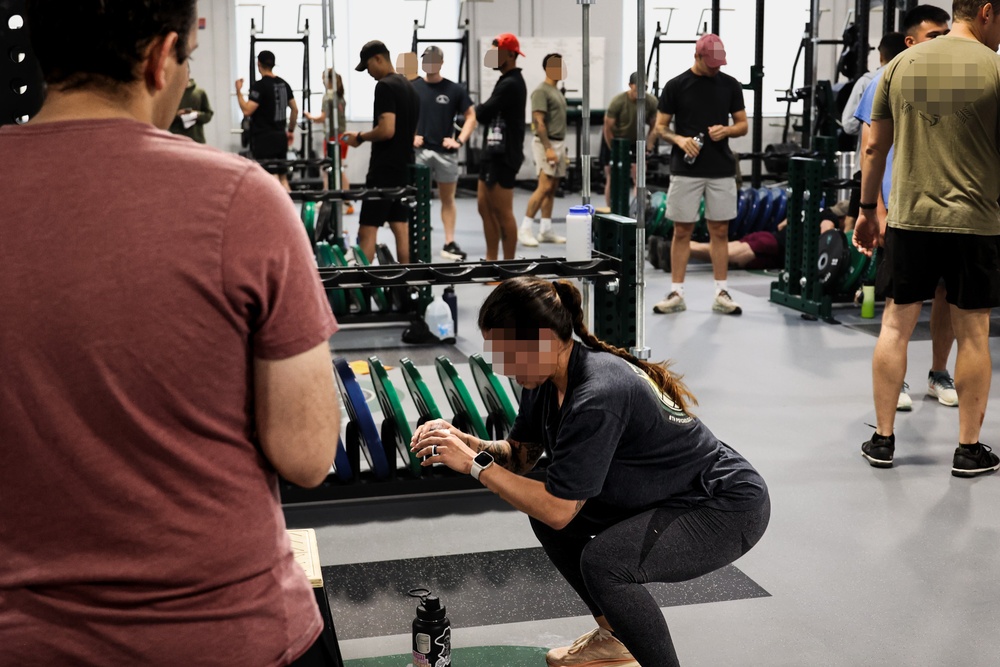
x=972, y=460
x=453, y=252
x=878, y=450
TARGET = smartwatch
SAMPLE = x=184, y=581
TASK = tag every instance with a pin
x=868, y=207
x=361, y=139
x=482, y=461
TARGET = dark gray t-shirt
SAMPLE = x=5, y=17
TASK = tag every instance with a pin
x=625, y=447
x=440, y=103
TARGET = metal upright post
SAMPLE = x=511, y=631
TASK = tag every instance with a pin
x=333, y=148
x=585, y=139
x=888, y=16
x=757, y=81
x=640, y=351
x=716, y=15
x=862, y=19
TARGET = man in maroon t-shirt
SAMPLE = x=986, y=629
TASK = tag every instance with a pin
x=163, y=356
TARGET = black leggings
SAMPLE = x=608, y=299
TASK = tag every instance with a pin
x=608, y=570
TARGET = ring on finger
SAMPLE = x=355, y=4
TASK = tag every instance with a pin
x=434, y=450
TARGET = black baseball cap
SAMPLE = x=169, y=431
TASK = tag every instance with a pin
x=435, y=54
x=372, y=48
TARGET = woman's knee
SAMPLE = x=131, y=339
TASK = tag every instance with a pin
x=602, y=563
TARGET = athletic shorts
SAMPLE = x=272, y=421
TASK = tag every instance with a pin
x=443, y=166
x=496, y=172
x=343, y=151
x=914, y=263
x=686, y=192
x=270, y=146
x=377, y=212
x=766, y=251
x=557, y=170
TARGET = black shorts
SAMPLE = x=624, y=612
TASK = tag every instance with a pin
x=604, y=155
x=270, y=146
x=377, y=212
x=497, y=172
x=914, y=262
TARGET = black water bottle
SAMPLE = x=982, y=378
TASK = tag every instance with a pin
x=431, y=631
x=452, y=300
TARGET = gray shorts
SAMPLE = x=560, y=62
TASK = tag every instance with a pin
x=686, y=192
x=557, y=170
x=443, y=166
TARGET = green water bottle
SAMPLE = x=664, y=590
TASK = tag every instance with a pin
x=868, y=301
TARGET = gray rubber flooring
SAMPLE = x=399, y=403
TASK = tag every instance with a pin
x=859, y=566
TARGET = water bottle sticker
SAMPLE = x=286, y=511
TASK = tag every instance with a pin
x=444, y=642
x=423, y=644
x=420, y=660
x=444, y=331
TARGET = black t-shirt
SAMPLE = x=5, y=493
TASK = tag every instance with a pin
x=439, y=104
x=696, y=103
x=625, y=447
x=272, y=95
x=394, y=94
x=507, y=102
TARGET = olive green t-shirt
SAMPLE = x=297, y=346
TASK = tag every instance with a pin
x=943, y=98
x=624, y=112
x=547, y=99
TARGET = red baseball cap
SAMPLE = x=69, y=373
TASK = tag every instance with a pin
x=508, y=42
x=711, y=50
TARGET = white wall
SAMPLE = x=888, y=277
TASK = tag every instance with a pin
x=217, y=63
x=212, y=67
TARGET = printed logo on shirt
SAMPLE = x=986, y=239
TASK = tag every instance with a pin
x=674, y=412
x=938, y=86
x=443, y=99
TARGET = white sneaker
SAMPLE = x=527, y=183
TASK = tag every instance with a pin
x=596, y=648
x=551, y=237
x=526, y=238
x=724, y=304
x=942, y=387
x=672, y=303
x=904, y=403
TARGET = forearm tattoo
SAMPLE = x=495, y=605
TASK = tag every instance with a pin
x=517, y=457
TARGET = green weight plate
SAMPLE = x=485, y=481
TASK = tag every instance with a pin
x=325, y=259
x=324, y=255
x=309, y=219
x=426, y=406
x=869, y=276
x=856, y=268
x=459, y=398
x=392, y=409
x=517, y=389
x=356, y=295
x=494, y=397
x=381, y=300
x=658, y=203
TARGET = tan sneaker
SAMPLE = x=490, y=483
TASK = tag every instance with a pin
x=672, y=303
x=724, y=304
x=597, y=648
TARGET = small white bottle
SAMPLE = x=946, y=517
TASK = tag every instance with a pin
x=438, y=319
x=579, y=241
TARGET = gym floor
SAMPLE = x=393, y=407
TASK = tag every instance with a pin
x=858, y=567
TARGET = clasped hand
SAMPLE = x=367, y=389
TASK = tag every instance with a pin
x=437, y=441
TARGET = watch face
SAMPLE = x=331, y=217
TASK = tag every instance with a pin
x=483, y=459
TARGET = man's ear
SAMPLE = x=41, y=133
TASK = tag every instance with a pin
x=157, y=57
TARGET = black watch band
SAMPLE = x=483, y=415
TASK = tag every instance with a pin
x=868, y=207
